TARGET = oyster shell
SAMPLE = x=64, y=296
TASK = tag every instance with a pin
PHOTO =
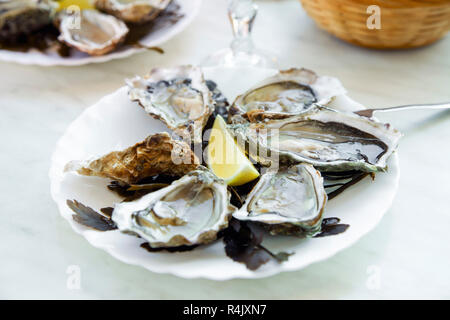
x=326, y=138
x=18, y=17
x=132, y=11
x=157, y=154
x=92, y=32
x=287, y=93
x=178, y=96
x=192, y=210
x=289, y=201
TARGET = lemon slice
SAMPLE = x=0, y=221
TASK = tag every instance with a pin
x=226, y=159
x=82, y=4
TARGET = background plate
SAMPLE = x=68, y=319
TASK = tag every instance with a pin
x=157, y=37
x=115, y=123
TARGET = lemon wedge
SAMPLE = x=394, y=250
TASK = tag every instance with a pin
x=82, y=4
x=226, y=159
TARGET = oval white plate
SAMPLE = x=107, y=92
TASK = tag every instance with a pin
x=189, y=8
x=115, y=123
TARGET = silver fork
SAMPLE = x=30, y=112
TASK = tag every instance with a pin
x=434, y=106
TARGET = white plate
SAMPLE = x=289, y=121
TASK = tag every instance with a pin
x=115, y=123
x=189, y=8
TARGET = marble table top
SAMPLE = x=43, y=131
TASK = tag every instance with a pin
x=406, y=256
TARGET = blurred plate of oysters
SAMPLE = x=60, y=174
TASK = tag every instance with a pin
x=79, y=32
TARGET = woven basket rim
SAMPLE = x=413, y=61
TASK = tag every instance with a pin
x=347, y=19
x=398, y=5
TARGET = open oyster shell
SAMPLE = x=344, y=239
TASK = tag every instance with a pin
x=328, y=139
x=132, y=11
x=178, y=96
x=91, y=31
x=19, y=17
x=287, y=93
x=190, y=211
x=157, y=154
x=288, y=201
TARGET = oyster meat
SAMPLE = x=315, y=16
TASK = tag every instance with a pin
x=328, y=139
x=19, y=17
x=190, y=211
x=177, y=96
x=157, y=154
x=132, y=11
x=91, y=32
x=288, y=201
x=287, y=93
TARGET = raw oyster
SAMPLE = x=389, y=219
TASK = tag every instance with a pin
x=192, y=210
x=289, y=201
x=18, y=17
x=133, y=11
x=157, y=154
x=328, y=139
x=178, y=96
x=287, y=93
x=91, y=31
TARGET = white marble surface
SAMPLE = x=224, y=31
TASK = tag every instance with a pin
x=407, y=252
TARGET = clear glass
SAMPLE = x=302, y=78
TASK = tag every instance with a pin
x=242, y=52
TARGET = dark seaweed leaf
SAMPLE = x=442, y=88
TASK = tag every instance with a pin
x=331, y=226
x=336, y=182
x=157, y=49
x=243, y=244
x=283, y=256
x=107, y=211
x=221, y=102
x=135, y=191
x=235, y=199
x=170, y=16
x=245, y=189
x=120, y=188
x=147, y=247
x=90, y=218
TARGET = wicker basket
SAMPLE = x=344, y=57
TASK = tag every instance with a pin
x=404, y=23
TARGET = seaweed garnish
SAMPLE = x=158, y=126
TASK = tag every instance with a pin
x=243, y=244
x=221, y=102
x=220, y=108
x=168, y=17
x=336, y=182
x=107, y=211
x=90, y=218
x=42, y=40
x=184, y=248
x=235, y=199
x=331, y=227
x=143, y=187
x=245, y=189
x=133, y=192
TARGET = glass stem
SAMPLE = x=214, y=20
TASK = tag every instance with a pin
x=242, y=14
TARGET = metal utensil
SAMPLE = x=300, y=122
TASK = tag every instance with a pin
x=369, y=112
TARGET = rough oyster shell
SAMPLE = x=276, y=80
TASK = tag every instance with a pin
x=287, y=93
x=288, y=201
x=92, y=32
x=178, y=96
x=328, y=139
x=157, y=154
x=192, y=210
x=132, y=11
x=19, y=17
